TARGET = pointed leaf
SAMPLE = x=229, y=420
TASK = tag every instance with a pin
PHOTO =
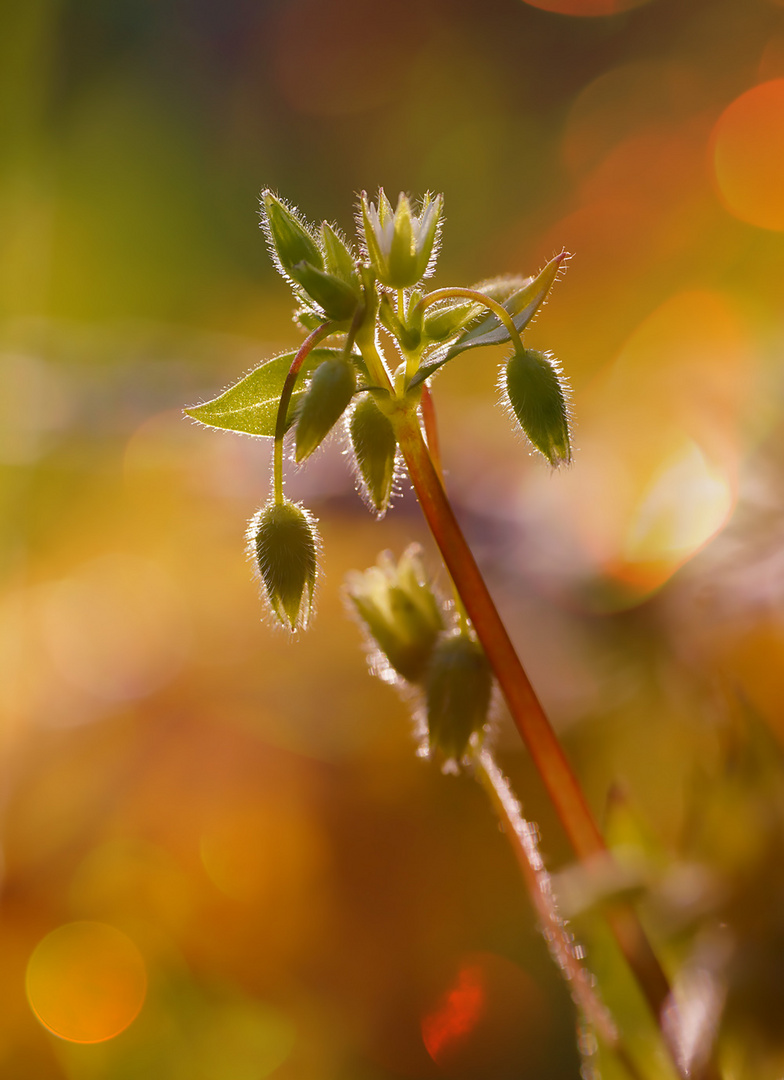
x=522, y=305
x=251, y=405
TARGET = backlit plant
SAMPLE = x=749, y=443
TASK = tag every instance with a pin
x=375, y=338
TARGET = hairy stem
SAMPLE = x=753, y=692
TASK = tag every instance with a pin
x=522, y=837
x=478, y=297
x=527, y=713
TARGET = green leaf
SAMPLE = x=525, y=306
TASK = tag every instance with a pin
x=522, y=305
x=251, y=405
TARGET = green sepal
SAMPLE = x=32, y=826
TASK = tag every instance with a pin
x=337, y=299
x=251, y=405
x=307, y=317
x=402, y=268
x=400, y=613
x=402, y=246
x=338, y=260
x=375, y=446
x=458, y=691
x=446, y=319
x=290, y=239
x=326, y=399
x=284, y=544
x=408, y=336
x=537, y=393
x=522, y=305
x=374, y=236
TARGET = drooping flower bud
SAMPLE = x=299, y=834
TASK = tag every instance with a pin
x=400, y=613
x=458, y=690
x=284, y=544
x=326, y=399
x=401, y=246
x=374, y=444
x=537, y=393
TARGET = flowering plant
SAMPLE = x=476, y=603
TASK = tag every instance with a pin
x=452, y=657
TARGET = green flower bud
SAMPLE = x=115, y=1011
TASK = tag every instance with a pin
x=336, y=298
x=330, y=391
x=537, y=393
x=401, y=246
x=374, y=444
x=338, y=260
x=400, y=613
x=284, y=543
x=444, y=320
x=290, y=239
x=320, y=265
x=458, y=690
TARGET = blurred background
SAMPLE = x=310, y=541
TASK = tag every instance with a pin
x=221, y=858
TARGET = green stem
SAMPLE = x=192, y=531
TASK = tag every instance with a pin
x=310, y=341
x=374, y=362
x=522, y=837
x=480, y=298
x=527, y=713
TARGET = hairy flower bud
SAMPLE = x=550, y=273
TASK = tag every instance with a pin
x=330, y=391
x=400, y=613
x=284, y=543
x=290, y=239
x=374, y=444
x=336, y=298
x=458, y=690
x=401, y=246
x=537, y=393
x=321, y=265
x=338, y=260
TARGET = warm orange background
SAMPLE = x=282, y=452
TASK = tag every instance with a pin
x=246, y=814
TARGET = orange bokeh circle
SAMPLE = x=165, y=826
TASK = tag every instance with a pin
x=586, y=7
x=86, y=982
x=748, y=155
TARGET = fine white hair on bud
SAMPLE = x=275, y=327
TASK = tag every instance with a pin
x=374, y=450
x=538, y=394
x=458, y=693
x=401, y=243
x=284, y=544
x=326, y=399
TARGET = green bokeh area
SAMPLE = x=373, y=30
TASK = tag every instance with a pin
x=311, y=900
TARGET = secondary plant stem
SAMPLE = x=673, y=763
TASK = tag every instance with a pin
x=522, y=837
x=479, y=298
x=283, y=407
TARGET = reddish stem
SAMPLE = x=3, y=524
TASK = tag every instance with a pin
x=526, y=710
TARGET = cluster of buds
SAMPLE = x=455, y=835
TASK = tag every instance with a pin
x=415, y=644
x=347, y=293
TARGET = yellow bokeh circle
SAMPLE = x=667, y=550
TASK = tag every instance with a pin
x=86, y=981
x=748, y=155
